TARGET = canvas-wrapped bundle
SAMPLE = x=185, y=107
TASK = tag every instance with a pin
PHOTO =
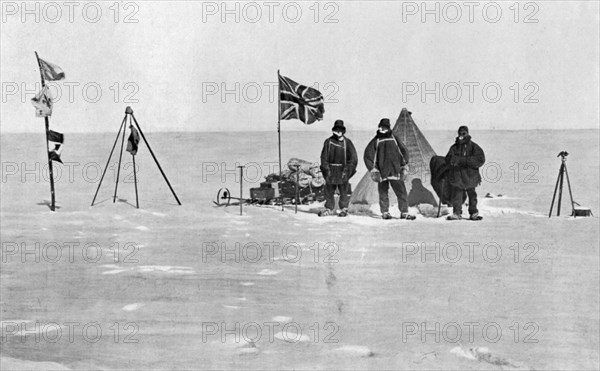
x=302, y=178
x=309, y=177
x=303, y=165
x=318, y=180
x=309, y=173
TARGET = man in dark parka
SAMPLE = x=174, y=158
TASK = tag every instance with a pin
x=338, y=165
x=387, y=159
x=465, y=158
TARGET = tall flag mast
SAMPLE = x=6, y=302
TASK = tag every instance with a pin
x=297, y=102
x=43, y=108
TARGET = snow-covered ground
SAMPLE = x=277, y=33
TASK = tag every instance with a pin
x=191, y=286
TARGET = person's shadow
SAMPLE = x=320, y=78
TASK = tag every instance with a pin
x=420, y=195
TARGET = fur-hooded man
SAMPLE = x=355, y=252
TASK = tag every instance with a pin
x=338, y=165
x=465, y=158
x=387, y=159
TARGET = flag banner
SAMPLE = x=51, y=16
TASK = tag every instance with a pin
x=133, y=141
x=299, y=102
x=42, y=103
x=55, y=142
x=54, y=156
x=50, y=71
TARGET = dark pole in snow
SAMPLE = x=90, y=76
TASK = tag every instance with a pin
x=241, y=186
x=279, y=184
x=47, y=121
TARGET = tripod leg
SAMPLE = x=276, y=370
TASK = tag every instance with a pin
x=109, y=157
x=441, y=197
x=137, y=204
x=119, y=168
x=570, y=193
x=154, y=157
x=562, y=176
x=554, y=195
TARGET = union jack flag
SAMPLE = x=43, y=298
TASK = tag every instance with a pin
x=299, y=101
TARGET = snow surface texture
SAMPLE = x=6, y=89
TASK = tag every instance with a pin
x=354, y=286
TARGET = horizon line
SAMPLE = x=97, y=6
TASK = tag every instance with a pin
x=300, y=131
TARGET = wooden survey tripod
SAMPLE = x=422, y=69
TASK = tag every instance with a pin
x=129, y=114
x=561, y=175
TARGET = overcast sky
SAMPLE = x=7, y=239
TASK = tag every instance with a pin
x=493, y=65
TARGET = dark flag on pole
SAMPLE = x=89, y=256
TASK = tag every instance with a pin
x=299, y=102
x=55, y=142
x=50, y=71
x=133, y=141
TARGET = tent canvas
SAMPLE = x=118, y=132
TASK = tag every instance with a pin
x=420, y=154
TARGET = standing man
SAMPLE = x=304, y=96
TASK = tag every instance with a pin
x=386, y=158
x=338, y=165
x=465, y=158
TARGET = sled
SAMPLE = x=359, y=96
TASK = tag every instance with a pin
x=224, y=198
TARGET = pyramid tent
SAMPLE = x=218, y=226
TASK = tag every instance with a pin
x=420, y=153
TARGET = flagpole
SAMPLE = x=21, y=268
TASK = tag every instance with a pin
x=297, y=194
x=279, y=135
x=47, y=121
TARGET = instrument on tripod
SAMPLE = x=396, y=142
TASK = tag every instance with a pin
x=559, y=183
x=129, y=115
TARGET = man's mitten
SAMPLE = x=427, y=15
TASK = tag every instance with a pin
x=375, y=176
x=403, y=173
